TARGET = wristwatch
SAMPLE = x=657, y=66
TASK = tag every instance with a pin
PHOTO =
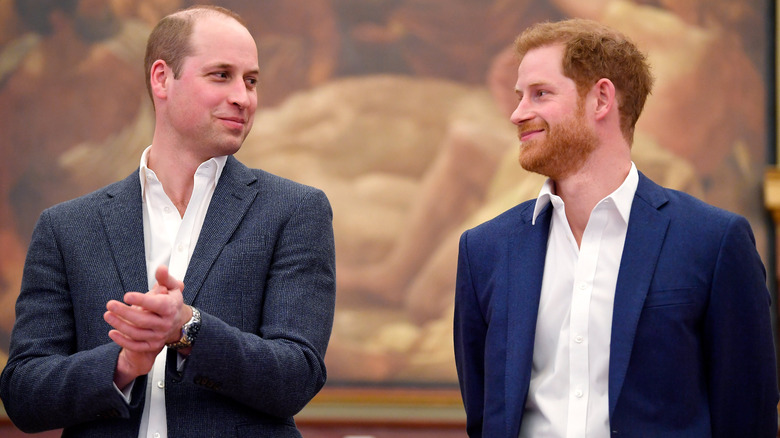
x=188, y=332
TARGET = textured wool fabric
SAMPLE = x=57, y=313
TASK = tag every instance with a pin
x=262, y=275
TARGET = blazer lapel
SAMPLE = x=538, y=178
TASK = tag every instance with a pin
x=231, y=200
x=644, y=238
x=526, y=254
x=122, y=214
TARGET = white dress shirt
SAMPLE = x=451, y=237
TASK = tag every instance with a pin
x=170, y=239
x=568, y=394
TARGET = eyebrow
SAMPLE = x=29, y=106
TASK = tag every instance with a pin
x=536, y=84
x=227, y=66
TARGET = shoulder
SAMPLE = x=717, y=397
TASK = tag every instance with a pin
x=282, y=185
x=679, y=204
x=265, y=182
x=285, y=194
x=87, y=205
x=511, y=220
x=280, y=195
x=688, y=216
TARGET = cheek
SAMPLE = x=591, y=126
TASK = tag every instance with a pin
x=254, y=101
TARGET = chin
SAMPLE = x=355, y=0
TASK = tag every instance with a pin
x=231, y=145
x=230, y=150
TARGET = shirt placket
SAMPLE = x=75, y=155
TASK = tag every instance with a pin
x=579, y=355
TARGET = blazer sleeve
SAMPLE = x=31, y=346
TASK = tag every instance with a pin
x=469, y=336
x=47, y=383
x=738, y=335
x=279, y=369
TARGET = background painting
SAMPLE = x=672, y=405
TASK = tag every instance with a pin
x=398, y=110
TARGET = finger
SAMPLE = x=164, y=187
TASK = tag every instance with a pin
x=133, y=331
x=141, y=318
x=126, y=310
x=163, y=304
x=134, y=345
x=163, y=277
x=157, y=289
x=155, y=299
x=134, y=298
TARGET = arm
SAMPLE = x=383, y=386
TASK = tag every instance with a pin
x=280, y=367
x=48, y=383
x=738, y=341
x=469, y=334
x=144, y=324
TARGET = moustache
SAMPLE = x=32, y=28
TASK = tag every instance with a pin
x=527, y=127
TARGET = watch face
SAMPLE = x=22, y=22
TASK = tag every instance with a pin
x=188, y=332
x=190, y=329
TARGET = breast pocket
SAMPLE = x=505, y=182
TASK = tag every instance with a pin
x=233, y=289
x=671, y=297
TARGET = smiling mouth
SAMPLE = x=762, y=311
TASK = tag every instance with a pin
x=233, y=122
x=527, y=135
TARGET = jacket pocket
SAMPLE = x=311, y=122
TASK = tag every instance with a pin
x=670, y=297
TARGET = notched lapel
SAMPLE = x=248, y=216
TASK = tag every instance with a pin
x=644, y=239
x=122, y=214
x=526, y=253
x=233, y=195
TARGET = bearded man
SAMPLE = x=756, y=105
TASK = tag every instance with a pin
x=607, y=306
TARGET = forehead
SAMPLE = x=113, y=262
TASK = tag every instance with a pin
x=220, y=39
x=542, y=64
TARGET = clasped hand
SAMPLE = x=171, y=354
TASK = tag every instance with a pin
x=144, y=323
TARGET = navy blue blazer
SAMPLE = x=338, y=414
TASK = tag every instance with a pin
x=262, y=275
x=691, y=351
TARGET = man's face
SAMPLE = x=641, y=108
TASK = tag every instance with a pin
x=211, y=106
x=555, y=138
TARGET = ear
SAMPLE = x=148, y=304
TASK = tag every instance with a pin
x=604, y=92
x=159, y=77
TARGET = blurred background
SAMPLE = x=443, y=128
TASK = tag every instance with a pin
x=398, y=110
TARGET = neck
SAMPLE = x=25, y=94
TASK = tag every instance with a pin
x=582, y=190
x=176, y=173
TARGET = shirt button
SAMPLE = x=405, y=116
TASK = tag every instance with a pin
x=167, y=210
x=156, y=435
x=578, y=393
x=583, y=286
x=578, y=339
x=161, y=384
x=181, y=248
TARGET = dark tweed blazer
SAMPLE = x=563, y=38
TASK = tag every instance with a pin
x=262, y=275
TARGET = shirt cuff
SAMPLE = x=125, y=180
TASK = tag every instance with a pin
x=127, y=392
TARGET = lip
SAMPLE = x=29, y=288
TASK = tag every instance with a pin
x=527, y=135
x=234, y=122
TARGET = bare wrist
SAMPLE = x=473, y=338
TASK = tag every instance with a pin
x=123, y=374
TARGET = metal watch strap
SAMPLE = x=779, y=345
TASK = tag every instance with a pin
x=188, y=332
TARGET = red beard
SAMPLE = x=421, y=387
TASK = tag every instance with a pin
x=564, y=149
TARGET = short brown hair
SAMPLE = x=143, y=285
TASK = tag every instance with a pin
x=170, y=38
x=593, y=51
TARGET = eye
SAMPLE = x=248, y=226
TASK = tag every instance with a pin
x=221, y=75
x=251, y=82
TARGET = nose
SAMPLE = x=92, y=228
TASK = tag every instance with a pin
x=521, y=113
x=240, y=95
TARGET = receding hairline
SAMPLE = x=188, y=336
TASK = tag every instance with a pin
x=193, y=13
x=171, y=38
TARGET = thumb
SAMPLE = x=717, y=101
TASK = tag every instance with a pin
x=166, y=280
